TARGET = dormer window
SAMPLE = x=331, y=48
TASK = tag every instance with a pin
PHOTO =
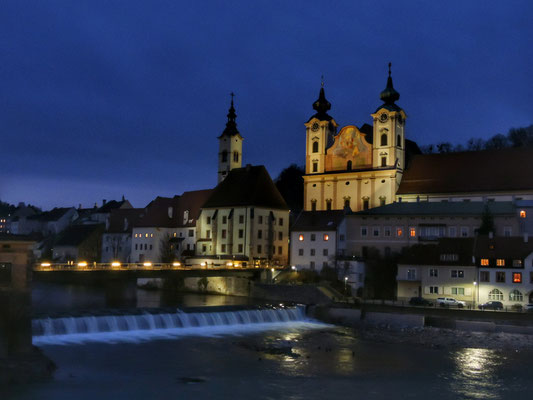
x=170, y=212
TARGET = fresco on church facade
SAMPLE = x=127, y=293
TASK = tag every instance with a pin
x=350, y=150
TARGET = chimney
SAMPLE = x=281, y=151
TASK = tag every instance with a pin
x=491, y=235
x=526, y=237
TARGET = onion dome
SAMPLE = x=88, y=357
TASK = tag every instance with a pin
x=389, y=95
x=322, y=106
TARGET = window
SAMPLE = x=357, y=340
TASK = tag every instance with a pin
x=484, y=276
x=516, y=295
x=464, y=231
x=300, y=252
x=315, y=167
x=328, y=204
x=280, y=235
x=341, y=238
x=191, y=232
x=326, y=237
x=301, y=238
x=434, y=289
x=325, y=252
x=313, y=205
x=312, y=252
x=208, y=220
x=458, y=273
x=517, y=277
x=366, y=203
x=384, y=139
x=135, y=246
x=500, y=262
x=315, y=147
x=349, y=165
x=500, y=277
x=484, y=262
x=313, y=237
x=236, y=156
x=399, y=141
x=259, y=249
x=224, y=219
x=434, y=272
x=224, y=156
x=150, y=247
x=412, y=231
x=208, y=234
x=312, y=265
x=411, y=274
x=452, y=231
x=458, y=291
x=517, y=263
x=145, y=246
x=260, y=219
x=531, y=277
x=223, y=248
x=522, y=213
x=399, y=232
x=375, y=231
x=383, y=161
x=204, y=248
x=382, y=200
x=281, y=222
x=387, y=231
x=364, y=231
x=240, y=248
x=507, y=231
x=241, y=233
x=260, y=234
x=495, y=294
x=280, y=250
x=241, y=219
x=449, y=257
x=346, y=203
x=224, y=234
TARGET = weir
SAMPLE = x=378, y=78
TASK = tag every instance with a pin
x=148, y=325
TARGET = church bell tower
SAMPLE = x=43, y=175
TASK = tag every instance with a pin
x=229, y=146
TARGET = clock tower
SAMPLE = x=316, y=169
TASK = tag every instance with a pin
x=229, y=145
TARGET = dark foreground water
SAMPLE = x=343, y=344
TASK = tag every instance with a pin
x=325, y=363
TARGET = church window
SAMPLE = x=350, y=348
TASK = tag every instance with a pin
x=313, y=205
x=315, y=147
x=399, y=141
x=382, y=200
x=224, y=156
x=366, y=203
x=346, y=203
x=383, y=161
x=349, y=165
x=315, y=167
x=328, y=204
x=384, y=139
x=236, y=157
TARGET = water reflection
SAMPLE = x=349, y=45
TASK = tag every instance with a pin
x=476, y=375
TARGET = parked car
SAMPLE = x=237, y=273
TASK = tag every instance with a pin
x=528, y=307
x=491, y=305
x=450, y=302
x=419, y=301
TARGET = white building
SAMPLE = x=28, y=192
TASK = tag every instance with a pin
x=117, y=238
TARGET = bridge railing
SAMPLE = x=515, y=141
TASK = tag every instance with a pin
x=146, y=266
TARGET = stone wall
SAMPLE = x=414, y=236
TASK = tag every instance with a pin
x=305, y=294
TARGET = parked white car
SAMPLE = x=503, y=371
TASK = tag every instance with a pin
x=450, y=302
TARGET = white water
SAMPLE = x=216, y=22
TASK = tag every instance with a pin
x=142, y=327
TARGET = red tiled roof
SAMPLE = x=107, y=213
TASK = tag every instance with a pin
x=470, y=172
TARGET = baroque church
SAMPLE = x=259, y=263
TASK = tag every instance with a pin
x=358, y=168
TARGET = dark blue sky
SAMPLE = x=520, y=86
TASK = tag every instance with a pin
x=104, y=98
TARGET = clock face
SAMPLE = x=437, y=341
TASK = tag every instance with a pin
x=314, y=128
x=383, y=117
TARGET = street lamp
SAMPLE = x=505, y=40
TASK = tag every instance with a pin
x=345, y=283
x=474, y=295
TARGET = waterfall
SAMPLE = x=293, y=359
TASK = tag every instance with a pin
x=167, y=323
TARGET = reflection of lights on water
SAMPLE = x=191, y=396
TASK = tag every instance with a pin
x=476, y=370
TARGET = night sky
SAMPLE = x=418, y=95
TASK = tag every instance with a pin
x=104, y=98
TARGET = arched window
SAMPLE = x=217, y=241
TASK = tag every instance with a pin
x=328, y=204
x=516, y=295
x=384, y=139
x=399, y=141
x=495, y=294
x=313, y=205
x=349, y=165
x=315, y=147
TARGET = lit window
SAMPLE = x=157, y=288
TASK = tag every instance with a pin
x=301, y=238
x=500, y=262
x=412, y=231
x=495, y=294
x=146, y=234
x=517, y=277
x=516, y=295
x=399, y=232
x=326, y=237
x=522, y=213
x=485, y=262
x=151, y=235
x=517, y=263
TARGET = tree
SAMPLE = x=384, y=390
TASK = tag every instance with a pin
x=291, y=186
x=474, y=144
x=166, y=249
x=497, y=142
x=519, y=137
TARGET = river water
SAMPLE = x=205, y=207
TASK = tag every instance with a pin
x=316, y=361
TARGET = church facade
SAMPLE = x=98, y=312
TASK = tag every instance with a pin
x=358, y=168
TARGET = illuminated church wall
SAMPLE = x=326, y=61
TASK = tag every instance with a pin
x=349, y=150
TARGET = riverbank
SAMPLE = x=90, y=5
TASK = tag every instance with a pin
x=25, y=368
